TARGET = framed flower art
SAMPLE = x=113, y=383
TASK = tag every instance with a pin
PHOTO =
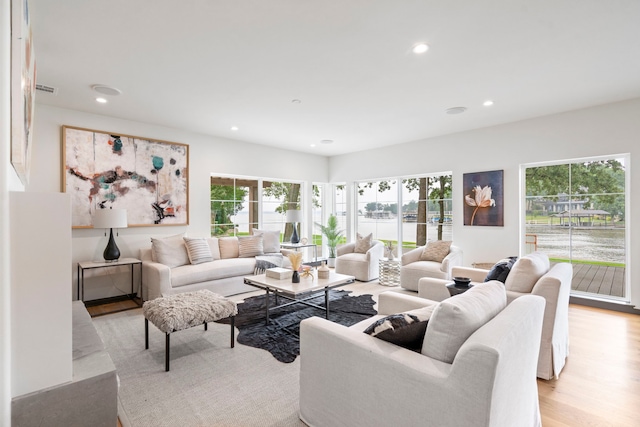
x=484, y=198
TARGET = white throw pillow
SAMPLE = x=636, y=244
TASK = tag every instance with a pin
x=526, y=271
x=456, y=318
x=363, y=244
x=214, y=247
x=229, y=247
x=250, y=246
x=170, y=251
x=177, y=237
x=436, y=251
x=270, y=240
x=198, y=250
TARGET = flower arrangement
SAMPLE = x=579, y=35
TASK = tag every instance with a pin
x=482, y=199
x=296, y=260
x=389, y=248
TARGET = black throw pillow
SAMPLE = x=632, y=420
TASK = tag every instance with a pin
x=501, y=269
x=404, y=329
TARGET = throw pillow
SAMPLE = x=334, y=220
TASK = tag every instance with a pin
x=170, y=251
x=198, y=250
x=228, y=247
x=214, y=246
x=456, y=318
x=436, y=251
x=177, y=237
x=363, y=244
x=250, y=246
x=526, y=271
x=270, y=240
x=501, y=269
x=403, y=329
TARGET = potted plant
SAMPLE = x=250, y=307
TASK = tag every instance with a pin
x=333, y=235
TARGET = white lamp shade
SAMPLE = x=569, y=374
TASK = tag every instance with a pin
x=110, y=218
x=294, y=215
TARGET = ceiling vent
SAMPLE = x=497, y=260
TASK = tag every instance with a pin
x=47, y=89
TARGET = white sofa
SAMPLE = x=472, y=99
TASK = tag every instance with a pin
x=349, y=378
x=224, y=274
x=363, y=266
x=531, y=274
x=413, y=268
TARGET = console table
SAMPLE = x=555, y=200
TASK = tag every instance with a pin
x=297, y=246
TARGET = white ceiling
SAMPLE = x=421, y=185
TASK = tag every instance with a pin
x=207, y=65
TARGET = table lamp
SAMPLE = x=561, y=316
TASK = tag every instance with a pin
x=110, y=218
x=294, y=216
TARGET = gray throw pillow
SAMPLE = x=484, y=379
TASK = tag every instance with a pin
x=363, y=244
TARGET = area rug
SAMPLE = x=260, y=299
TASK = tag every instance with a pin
x=281, y=336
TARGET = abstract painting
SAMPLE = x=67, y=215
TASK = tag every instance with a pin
x=483, y=198
x=148, y=178
x=23, y=88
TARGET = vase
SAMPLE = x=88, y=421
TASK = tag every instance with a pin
x=323, y=271
x=296, y=277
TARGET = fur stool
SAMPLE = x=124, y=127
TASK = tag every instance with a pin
x=182, y=311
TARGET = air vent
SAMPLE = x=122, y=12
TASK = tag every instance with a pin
x=47, y=89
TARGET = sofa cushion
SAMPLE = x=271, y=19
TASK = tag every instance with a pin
x=198, y=250
x=220, y=269
x=214, y=246
x=170, y=251
x=501, y=269
x=456, y=318
x=250, y=246
x=229, y=247
x=436, y=251
x=526, y=271
x=154, y=256
x=363, y=244
x=270, y=240
x=404, y=329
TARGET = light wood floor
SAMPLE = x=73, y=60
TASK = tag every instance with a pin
x=600, y=384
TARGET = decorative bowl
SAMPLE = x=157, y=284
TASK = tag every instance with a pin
x=461, y=281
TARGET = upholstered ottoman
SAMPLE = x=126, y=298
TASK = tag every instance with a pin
x=182, y=311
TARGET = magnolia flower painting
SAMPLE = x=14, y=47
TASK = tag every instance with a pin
x=483, y=198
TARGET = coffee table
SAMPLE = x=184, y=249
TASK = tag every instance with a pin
x=298, y=293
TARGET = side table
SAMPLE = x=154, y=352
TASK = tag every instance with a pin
x=389, y=270
x=89, y=265
x=297, y=246
x=455, y=289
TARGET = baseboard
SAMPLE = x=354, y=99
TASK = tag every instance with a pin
x=607, y=305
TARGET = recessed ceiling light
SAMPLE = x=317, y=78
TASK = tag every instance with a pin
x=313, y=145
x=456, y=110
x=106, y=90
x=420, y=48
x=234, y=128
x=488, y=103
x=101, y=100
x=326, y=141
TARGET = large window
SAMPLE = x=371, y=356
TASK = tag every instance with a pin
x=407, y=211
x=575, y=212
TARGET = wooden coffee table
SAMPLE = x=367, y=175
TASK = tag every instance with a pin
x=298, y=293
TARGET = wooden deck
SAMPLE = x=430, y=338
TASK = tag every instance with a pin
x=598, y=279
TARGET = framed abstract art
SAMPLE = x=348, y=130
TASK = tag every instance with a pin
x=484, y=198
x=23, y=88
x=148, y=178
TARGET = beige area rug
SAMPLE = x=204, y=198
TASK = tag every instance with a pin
x=209, y=384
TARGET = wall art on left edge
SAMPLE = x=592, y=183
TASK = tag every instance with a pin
x=23, y=88
x=148, y=178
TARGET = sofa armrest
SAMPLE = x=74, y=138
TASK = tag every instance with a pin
x=347, y=248
x=156, y=280
x=433, y=289
x=376, y=251
x=412, y=256
x=475, y=274
x=391, y=302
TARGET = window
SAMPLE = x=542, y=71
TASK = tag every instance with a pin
x=575, y=212
x=234, y=206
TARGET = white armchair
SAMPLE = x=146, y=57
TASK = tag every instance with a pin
x=364, y=267
x=349, y=378
x=553, y=283
x=413, y=268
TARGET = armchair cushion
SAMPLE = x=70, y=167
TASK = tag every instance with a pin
x=526, y=271
x=363, y=244
x=404, y=329
x=456, y=318
x=436, y=251
x=501, y=269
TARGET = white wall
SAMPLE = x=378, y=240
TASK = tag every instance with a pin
x=602, y=130
x=206, y=155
